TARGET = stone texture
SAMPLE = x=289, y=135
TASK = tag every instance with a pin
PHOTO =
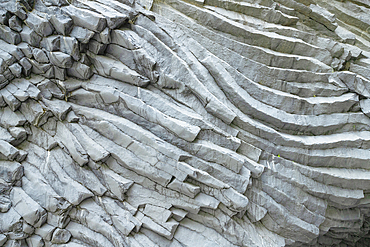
x=61, y=236
x=40, y=25
x=85, y=18
x=184, y=123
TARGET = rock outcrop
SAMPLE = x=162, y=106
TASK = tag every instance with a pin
x=184, y=123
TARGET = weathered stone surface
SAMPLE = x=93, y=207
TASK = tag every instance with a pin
x=35, y=241
x=113, y=18
x=31, y=212
x=86, y=18
x=5, y=204
x=323, y=16
x=109, y=67
x=51, y=43
x=35, y=112
x=60, y=59
x=30, y=36
x=9, y=35
x=80, y=70
x=11, y=171
x=40, y=25
x=26, y=65
x=61, y=23
x=40, y=56
x=60, y=236
x=2, y=239
x=88, y=236
x=184, y=123
x=16, y=69
x=4, y=16
x=70, y=46
x=15, y=24
x=81, y=34
x=19, y=8
x=8, y=152
x=45, y=231
x=72, y=144
x=44, y=193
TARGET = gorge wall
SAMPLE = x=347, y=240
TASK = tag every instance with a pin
x=184, y=123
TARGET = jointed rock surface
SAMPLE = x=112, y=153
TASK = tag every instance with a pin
x=147, y=123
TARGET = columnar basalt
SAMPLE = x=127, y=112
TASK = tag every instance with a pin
x=184, y=123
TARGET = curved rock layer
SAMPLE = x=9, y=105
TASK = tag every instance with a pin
x=184, y=123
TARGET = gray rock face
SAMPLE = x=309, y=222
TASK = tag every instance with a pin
x=184, y=123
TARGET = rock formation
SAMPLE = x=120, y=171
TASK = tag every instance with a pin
x=184, y=123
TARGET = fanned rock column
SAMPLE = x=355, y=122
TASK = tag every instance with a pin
x=184, y=123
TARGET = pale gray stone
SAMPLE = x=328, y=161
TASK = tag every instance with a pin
x=81, y=34
x=116, y=184
x=85, y=18
x=3, y=239
x=9, y=35
x=109, y=67
x=80, y=70
x=72, y=190
x=136, y=59
x=44, y=193
x=26, y=65
x=61, y=23
x=15, y=24
x=151, y=225
x=158, y=214
x=178, y=214
x=59, y=108
x=51, y=43
x=88, y=236
x=40, y=25
x=13, y=243
x=16, y=8
x=96, y=47
x=45, y=231
x=19, y=94
x=69, y=45
x=16, y=69
x=42, y=69
x=114, y=19
x=97, y=221
x=83, y=175
x=35, y=112
x=30, y=36
x=31, y=212
x=60, y=59
x=35, y=241
x=323, y=16
x=7, y=60
x=7, y=152
x=184, y=123
x=50, y=89
x=60, y=236
x=11, y=220
x=122, y=7
x=126, y=38
x=10, y=118
x=40, y=55
x=184, y=188
x=72, y=144
x=104, y=36
x=11, y=49
x=5, y=205
x=4, y=16
x=121, y=218
x=11, y=171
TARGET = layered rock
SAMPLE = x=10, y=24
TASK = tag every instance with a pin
x=184, y=123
